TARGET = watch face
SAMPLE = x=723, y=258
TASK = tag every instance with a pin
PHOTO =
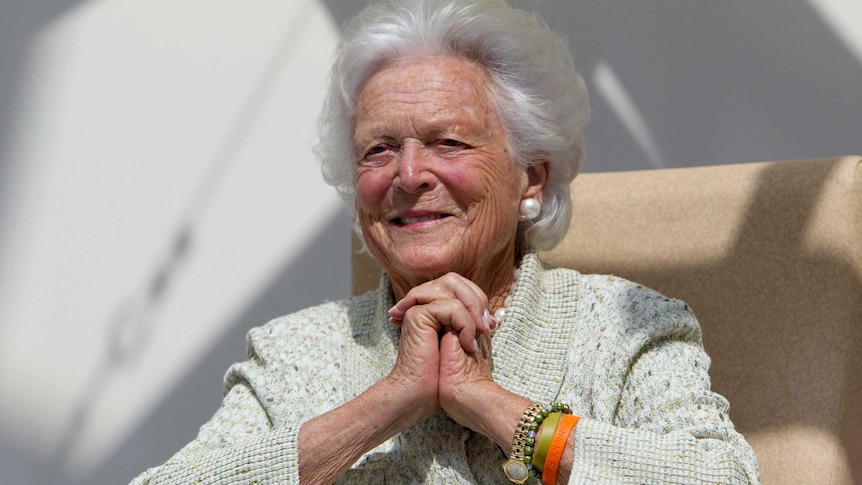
x=516, y=471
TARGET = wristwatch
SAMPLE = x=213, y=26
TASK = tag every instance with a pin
x=515, y=469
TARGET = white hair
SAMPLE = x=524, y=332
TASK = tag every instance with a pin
x=539, y=96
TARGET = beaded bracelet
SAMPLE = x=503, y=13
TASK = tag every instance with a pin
x=519, y=467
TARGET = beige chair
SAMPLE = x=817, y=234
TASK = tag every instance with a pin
x=769, y=256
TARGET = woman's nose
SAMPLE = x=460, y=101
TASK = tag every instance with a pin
x=413, y=174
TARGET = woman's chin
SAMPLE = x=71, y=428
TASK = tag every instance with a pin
x=425, y=265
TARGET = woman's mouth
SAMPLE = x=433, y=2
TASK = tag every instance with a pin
x=406, y=220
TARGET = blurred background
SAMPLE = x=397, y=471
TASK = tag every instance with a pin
x=159, y=196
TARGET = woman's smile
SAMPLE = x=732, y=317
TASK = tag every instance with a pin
x=418, y=220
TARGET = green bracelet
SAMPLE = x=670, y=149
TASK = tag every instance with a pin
x=543, y=440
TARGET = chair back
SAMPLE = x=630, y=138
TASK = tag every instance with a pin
x=769, y=256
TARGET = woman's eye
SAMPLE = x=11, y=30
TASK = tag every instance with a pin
x=451, y=143
x=377, y=150
x=377, y=154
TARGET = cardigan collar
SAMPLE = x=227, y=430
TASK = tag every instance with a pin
x=531, y=349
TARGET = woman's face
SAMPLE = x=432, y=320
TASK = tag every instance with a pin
x=436, y=190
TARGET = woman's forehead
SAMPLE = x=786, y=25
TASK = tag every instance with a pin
x=438, y=90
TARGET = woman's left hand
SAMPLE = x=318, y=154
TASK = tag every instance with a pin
x=465, y=387
x=467, y=392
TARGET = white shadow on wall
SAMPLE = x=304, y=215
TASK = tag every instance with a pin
x=843, y=16
x=611, y=89
x=134, y=320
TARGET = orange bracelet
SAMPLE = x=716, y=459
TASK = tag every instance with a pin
x=558, y=445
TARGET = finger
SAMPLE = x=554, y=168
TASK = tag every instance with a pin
x=478, y=308
x=451, y=285
x=445, y=315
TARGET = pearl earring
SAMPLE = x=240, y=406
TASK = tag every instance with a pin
x=530, y=209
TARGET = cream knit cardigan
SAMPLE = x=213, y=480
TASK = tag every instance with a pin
x=629, y=361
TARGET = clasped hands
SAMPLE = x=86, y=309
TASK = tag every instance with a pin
x=442, y=361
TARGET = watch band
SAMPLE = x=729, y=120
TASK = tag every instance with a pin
x=515, y=469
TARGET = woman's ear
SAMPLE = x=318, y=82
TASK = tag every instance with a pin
x=537, y=177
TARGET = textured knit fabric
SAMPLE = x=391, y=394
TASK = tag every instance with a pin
x=629, y=361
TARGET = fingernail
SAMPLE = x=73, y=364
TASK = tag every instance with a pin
x=475, y=345
x=392, y=310
x=490, y=324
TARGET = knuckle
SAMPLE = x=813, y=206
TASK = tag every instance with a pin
x=413, y=314
x=451, y=277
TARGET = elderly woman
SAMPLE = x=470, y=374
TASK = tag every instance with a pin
x=452, y=129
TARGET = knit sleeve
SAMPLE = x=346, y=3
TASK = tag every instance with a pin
x=238, y=445
x=667, y=426
x=253, y=437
